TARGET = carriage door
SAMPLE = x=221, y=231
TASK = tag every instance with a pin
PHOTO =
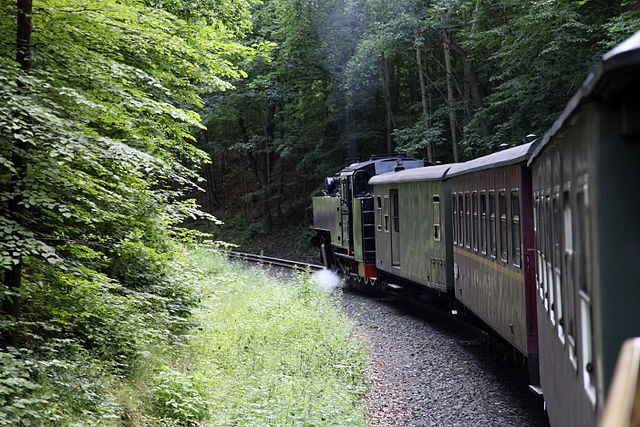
x=395, y=228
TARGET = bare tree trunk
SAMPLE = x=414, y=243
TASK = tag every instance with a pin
x=269, y=128
x=13, y=277
x=24, y=31
x=472, y=77
x=212, y=189
x=453, y=120
x=222, y=197
x=423, y=96
x=386, y=89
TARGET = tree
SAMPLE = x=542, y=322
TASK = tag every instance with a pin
x=96, y=133
x=443, y=79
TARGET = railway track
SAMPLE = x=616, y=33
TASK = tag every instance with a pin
x=285, y=263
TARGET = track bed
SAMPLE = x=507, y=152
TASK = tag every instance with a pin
x=429, y=371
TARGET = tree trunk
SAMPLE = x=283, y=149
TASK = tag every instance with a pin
x=453, y=121
x=23, y=34
x=13, y=277
x=472, y=76
x=423, y=97
x=386, y=89
x=269, y=130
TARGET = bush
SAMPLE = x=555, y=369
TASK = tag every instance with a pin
x=178, y=397
x=82, y=335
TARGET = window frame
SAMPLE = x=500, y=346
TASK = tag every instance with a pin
x=516, y=229
x=549, y=267
x=395, y=209
x=475, y=221
x=460, y=219
x=568, y=250
x=454, y=209
x=503, y=234
x=493, y=225
x=379, y=211
x=437, y=229
x=386, y=210
x=536, y=236
x=467, y=207
x=585, y=308
x=483, y=200
x=558, y=232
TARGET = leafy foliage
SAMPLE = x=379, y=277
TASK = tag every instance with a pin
x=96, y=149
x=178, y=397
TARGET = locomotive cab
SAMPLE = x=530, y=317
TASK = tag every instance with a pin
x=343, y=216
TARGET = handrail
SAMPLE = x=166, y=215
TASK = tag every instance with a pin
x=623, y=403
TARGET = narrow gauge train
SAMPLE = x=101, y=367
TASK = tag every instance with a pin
x=539, y=241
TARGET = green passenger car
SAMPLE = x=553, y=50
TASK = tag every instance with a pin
x=412, y=228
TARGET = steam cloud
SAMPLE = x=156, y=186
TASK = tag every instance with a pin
x=326, y=280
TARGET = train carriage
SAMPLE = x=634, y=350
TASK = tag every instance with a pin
x=586, y=172
x=492, y=236
x=413, y=230
x=539, y=241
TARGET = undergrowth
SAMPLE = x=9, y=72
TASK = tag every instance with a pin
x=84, y=335
x=269, y=353
x=194, y=340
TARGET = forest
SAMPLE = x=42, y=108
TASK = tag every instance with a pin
x=131, y=128
x=444, y=80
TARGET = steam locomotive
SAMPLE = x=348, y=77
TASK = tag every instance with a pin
x=540, y=241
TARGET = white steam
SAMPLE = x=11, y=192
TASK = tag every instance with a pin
x=326, y=280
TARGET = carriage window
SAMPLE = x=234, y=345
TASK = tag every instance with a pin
x=504, y=242
x=548, y=257
x=586, y=325
x=568, y=279
x=379, y=206
x=460, y=219
x=467, y=225
x=543, y=255
x=386, y=214
x=483, y=223
x=454, y=205
x=474, y=205
x=568, y=226
x=535, y=236
x=557, y=272
x=492, y=224
x=436, y=217
x=395, y=212
x=515, y=228
x=580, y=239
x=536, y=230
x=588, y=366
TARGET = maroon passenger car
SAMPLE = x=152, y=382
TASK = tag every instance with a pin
x=494, y=264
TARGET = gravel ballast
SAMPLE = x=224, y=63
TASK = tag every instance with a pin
x=427, y=370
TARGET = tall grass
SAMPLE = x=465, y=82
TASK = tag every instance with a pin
x=265, y=353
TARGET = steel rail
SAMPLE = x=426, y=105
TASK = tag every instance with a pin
x=261, y=259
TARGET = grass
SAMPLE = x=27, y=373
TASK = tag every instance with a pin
x=264, y=353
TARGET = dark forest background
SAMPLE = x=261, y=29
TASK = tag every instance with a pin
x=442, y=80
